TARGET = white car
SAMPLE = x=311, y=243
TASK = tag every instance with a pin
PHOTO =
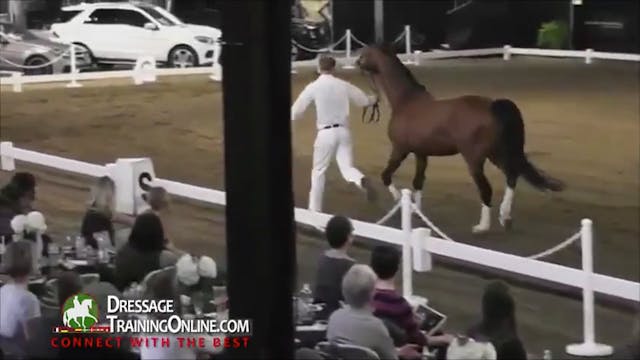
x=120, y=33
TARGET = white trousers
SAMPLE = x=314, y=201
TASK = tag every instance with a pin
x=329, y=142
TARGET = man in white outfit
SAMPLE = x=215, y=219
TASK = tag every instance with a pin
x=331, y=97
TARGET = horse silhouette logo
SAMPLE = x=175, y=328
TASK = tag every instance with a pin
x=80, y=311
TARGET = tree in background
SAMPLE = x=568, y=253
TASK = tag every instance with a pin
x=553, y=35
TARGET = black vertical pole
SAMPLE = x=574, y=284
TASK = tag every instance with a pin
x=257, y=131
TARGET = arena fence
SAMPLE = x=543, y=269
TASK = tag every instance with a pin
x=145, y=70
x=417, y=244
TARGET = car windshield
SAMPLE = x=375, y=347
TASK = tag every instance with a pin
x=66, y=15
x=169, y=15
x=162, y=19
x=13, y=32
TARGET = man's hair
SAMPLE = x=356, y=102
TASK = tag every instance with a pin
x=19, y=258
x=358, y=286
x=326, y=63
x=385, y=261
x=338, y=231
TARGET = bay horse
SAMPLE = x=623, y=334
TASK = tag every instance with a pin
x=478, y=128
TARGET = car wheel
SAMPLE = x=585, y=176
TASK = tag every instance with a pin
x=294, y=52
x=36, y=66
x=183, y=56
x=88, y=51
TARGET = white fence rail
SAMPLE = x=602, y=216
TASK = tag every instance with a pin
x=417, y=244
x=604, y=284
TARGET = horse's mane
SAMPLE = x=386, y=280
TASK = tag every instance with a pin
x=388, y=50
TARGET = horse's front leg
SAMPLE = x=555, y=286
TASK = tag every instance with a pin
x=395, y=160
x=418, y=180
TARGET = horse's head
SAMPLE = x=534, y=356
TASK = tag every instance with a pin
x=371, y=57
x=86, y=304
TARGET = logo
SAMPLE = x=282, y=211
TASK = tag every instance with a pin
x=80, y=311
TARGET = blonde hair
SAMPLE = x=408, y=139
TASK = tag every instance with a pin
x=157, y=198
x=102, y=194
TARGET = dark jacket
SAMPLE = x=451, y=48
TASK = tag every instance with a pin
x=94, y=222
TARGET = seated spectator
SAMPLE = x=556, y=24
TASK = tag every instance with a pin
x=40, y=343
x=355, y=323
x=390, y=305
x=101, y=214
x=143, y=253
x=333, y=264
x=498, y=324
x=158, y=200
x=16, y=198
x=165, y=287
x=18, y=306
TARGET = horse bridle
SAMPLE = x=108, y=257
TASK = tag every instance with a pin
x=374, y=117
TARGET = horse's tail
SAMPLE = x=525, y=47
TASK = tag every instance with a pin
x=514, y=159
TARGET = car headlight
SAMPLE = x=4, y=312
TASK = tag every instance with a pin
x=57, y=51
x=205, y=39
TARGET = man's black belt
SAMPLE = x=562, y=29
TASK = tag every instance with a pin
x=331, y=126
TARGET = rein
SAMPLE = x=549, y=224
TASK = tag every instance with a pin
x=374, y=117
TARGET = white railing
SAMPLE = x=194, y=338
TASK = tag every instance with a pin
x=417, y=244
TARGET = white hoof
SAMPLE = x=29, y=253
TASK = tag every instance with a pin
x=479, y=229
x=395, y=193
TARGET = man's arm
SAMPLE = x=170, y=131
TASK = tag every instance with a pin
x=302, y=102
x=359, y=97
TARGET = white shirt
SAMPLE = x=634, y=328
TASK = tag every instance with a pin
x=331, y=97
x=17, y=306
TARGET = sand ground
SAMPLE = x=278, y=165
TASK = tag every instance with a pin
x=582, y=124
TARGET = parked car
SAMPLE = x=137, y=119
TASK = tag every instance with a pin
x=120, y=33
x=24, y=51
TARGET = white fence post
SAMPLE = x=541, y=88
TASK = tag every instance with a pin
x=407, y=271
x=588, y=58
x=144, y=70
x=216, y=68
x=6, y=156
x=588, y=347
x=421, y=255
x=73, y=71
x=407, y=40
x=506, y=52
x=416, y=57
x=349, y=62
x=17, y=81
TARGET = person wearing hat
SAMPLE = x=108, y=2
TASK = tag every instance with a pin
x=331, y=97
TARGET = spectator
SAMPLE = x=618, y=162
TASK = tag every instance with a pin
x=333, y=264
x=498, y=324
x=165, y=287
x=18, y=306
x=159, y=201
x=16, y=198
x=389, y=305
x=101, y=214
x=143, y=253
x=355, y=323
x=40, y=344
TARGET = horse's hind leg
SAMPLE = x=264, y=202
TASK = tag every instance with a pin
x=395, y=160
x=418, y=180
x=507, y=200
x=476, y=168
